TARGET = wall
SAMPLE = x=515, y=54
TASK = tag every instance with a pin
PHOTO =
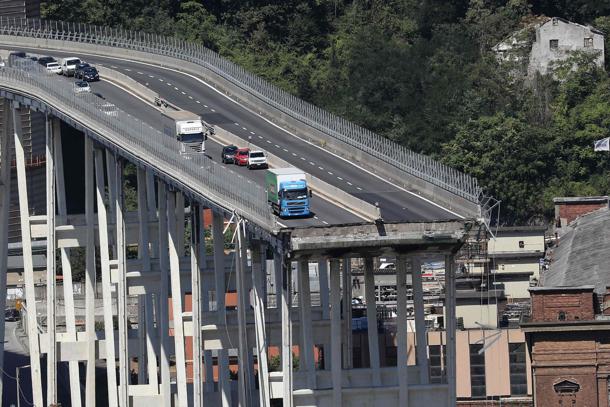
x=509, y=242
x=577, y=304
x=571, y=38
x=483, y=314
x=567, y=212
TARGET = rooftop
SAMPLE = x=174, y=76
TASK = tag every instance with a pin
x=582, y=255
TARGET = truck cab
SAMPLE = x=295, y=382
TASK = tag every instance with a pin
x=288, y=192
x=186, y=127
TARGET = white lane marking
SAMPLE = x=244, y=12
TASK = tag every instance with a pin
x=260, y=137
x=321, y=168
x=244, y=128
x=197, y=102
x=168, y=84
x=294, y=154
x=184, y=93
x=330, y=173
x=312, y=163
x=237, y=124
x=213, y=110
x=269, y=141
x=349, y=183
x=276, y=146
x=128, y=70
x=285, y=150
x=359, y=189
x=190, y=97
x=205, y=106
x=303, y=158
x=325, y=222
x=151, y=76
x=140, y=73
x=161, y=80
x=252, y=132
x=315, y=217
x=340, y=179
x=176, y=88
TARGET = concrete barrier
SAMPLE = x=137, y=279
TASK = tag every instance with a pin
x=258, y=106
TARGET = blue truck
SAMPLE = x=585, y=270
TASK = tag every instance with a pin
x=287, y=192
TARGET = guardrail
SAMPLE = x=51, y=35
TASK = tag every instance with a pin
x=194, y=171
x=403, y=161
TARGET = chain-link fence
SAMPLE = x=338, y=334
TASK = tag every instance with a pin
x=403, y=159
x=195, y=171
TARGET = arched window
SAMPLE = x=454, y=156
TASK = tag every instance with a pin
x=561, y=316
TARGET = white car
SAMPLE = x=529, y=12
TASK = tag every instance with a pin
x=257, y=159
x=81, y=87
x=53, y=67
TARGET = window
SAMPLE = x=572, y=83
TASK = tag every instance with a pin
x=555, y=21
x=566, y=387
x=477, y=372
x=561, y=316
x=588, y=42
x=521, y=244
x=554, y=44
x=518, y=372
x=437, y=363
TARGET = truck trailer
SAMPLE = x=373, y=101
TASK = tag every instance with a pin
x=187, y=128
x=287, y=192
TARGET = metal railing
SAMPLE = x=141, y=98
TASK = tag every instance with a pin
x=403, y=159
x=195, y=171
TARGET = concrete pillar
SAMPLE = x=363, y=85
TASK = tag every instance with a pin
x=245, y=369
x=116, y=180
x=348, y=354
x=66, y=268
x=323, y=276
x=277, y=274
x=371, y=316
x=208, y=363
x=6, y=158
x=335, y=331
x=451, y=327
x=258, y=256
x=144, y=257
x=28, y=267
x=306, y=354
x=51, y=266
x=401, y=331
x=286, y=304
x=219, y=265
x=196, y=219
x=176, y=244
x=223, y=378
x=420, y=321
x=164, y=295
x=90, y=274
x=102, y=221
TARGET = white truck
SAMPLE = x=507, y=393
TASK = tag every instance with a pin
x=187, y=128
x=68, y=65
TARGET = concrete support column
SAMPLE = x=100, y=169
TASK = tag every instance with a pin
x=66, y=268
x=90, y=274
x=306, y=353
x=196, y=219
x=223, y=378
x=371, y=316
x=451, y=327
x=6, y=158
x=258, y=256
x=144, y=257
x=420, y=321
x=348, y=354
x=335, y=331
x=28, y=267
x=324, y=300
x=164, y=295
x=286, y=304
x=116, y=181
x=102, y=221
x=219, y=265
x=51, y=266
x=245, y=369
x=176, y=245
x=208, y=363
x=401, y=331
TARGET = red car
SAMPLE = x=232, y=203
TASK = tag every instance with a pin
x=241, y=156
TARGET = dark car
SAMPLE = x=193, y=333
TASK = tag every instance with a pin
x=79, y=67
x=88, y=74
x=11, y=314
x=228, y=154
x=45, y=60
x=14, y=56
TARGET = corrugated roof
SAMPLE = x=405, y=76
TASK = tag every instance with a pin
x=582, y=257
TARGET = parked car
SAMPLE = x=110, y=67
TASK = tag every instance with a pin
x=53, y=67
x=11, y=314
x=241, y=156
x=68, y=65
x=45, y=60
x=81, y=87
x=228, y=154
x=257, y=159
x=88, y=74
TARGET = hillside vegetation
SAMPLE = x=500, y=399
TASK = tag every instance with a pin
x=418, y=72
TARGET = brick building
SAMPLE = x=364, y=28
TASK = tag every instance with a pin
x=568, y=334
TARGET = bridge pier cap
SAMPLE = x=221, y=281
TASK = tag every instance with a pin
x=376, y=239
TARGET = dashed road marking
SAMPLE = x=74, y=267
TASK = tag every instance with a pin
x=349, y=183
x=190, y=97
x=276, y=146
x=237, y=124
x=359, y=189
x=325, y=222
x=303, y=158
x=315, y=217
x=321, y=168
x=197, y=102
x=160, y=80
x=312, y=163
x=269, y=141
x=213, y=110
x=184, y=93
x=294, y=154
x=285, y=150
x=340, y=179
x=168, y=84
x=151, y=76
x=252, y=132
x=260, y=137
x=244, y=128
x=140, y=73
x=330, y=173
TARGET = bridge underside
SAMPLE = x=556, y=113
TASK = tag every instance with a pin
x=199, y=310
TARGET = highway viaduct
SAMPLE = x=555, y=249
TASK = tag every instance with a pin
x=367, y=208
